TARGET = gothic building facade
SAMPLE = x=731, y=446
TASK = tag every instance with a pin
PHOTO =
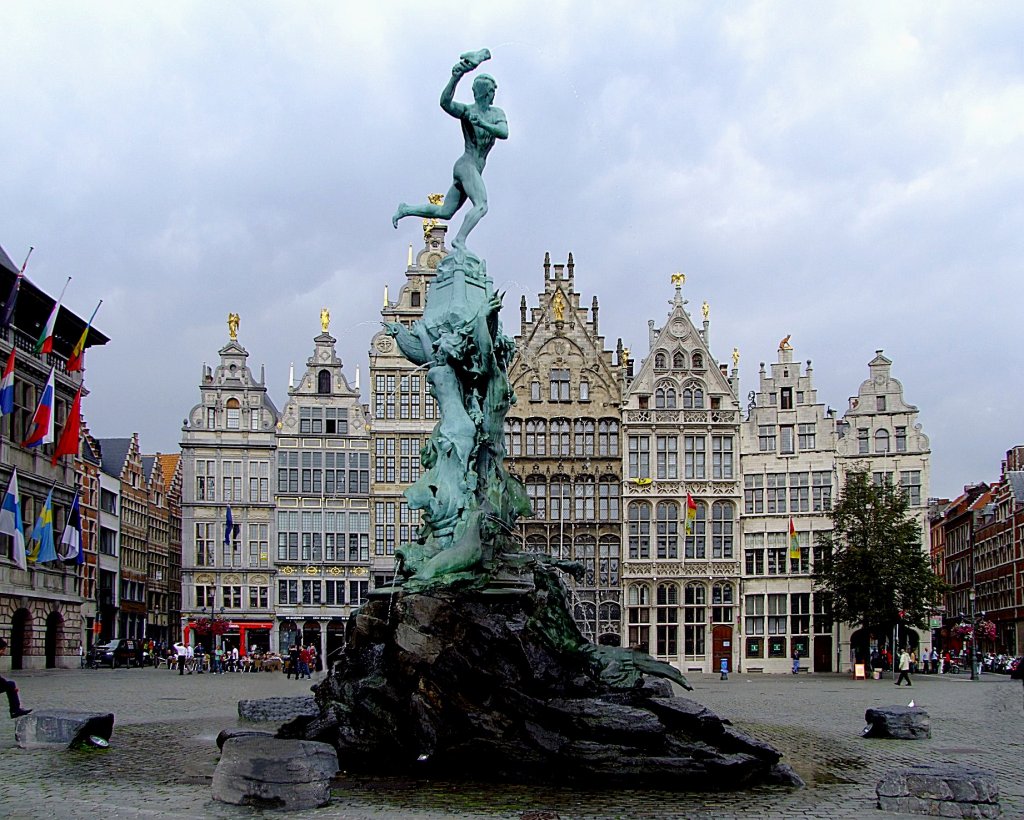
x=563, y=441
x=681, y=496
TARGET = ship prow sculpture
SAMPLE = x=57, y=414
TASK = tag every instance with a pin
x=470, y=664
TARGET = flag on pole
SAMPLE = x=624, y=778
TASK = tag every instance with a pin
x=691, y=513
x=12, y=298
x=10, y=520
x=77, y=359
x=794, y=542
x=43, y=548
x=71, y=540
x=7, y=387
x=41, y=428
x=44, y=344
x=231, y=529
x=68, y=443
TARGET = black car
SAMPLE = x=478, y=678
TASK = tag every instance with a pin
x=119, y=652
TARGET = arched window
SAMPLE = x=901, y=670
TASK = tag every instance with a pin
x=697, y=537
x=668, y=529
x=585, y=551
x=721, y=603
x=537, y=544
x=513, y=437
x=660, y=361
x=583, y=496
x=559, y=437
x=559, y=497
x=639, y=612
x=536, y=491
x=881, y=441
x=233, y=414
x=583, y=437
x=722, y=517
x=698, y=361
x=536, y=437
x=535, y=390
x=679, y=360
x=665, y=396
x=667, y=619
x=695, y=619
x=639, y=530
x=323, y=382
x=608, y=437
x=608, y=498
x=608, y=567
x=693, y=396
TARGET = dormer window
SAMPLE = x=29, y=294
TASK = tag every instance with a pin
x=414, y=298
x=679, y=360
x=660, y=361
x=698, y=361
x=323, y=382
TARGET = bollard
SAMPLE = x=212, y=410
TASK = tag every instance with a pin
x=725, y=669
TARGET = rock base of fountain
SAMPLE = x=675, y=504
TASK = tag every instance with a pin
x=450, y=684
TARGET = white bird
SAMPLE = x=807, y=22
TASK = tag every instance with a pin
x=911, y=704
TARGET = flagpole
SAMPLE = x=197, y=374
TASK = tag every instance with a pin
x=25, y=263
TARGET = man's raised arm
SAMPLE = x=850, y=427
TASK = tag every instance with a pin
x=448, y=104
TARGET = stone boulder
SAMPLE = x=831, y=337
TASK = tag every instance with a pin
x=941, y=790
x=265, y=710
x=61, y=728
x=269, y=773
x=226, y=735
x=454, y=684
x=898, y=722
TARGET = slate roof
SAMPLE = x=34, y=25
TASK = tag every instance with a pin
x=113, y=454
x=1015, y=478
x=147, y=467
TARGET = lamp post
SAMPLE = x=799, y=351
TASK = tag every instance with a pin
x=971, y=596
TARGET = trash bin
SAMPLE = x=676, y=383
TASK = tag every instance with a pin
x=724, y=666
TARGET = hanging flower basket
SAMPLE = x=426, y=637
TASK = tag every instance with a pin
x=210, y=626
x=986, y=630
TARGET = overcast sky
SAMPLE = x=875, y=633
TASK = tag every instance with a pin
x=848, y=173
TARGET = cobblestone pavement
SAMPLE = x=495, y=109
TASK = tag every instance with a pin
x=162, y=753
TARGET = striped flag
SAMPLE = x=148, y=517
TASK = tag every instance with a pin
x=691, y=513
x=10, y=520
x=7, y=387
x=43, y=549
x=794, y=542
x=44, y=344
x=77, y=359
x=41, y=429
x=71, y=540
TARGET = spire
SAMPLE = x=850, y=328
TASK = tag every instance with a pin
x=291, y=375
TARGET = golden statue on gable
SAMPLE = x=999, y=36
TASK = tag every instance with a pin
x=325, y=319
x=784, y=344
x=233, y=326
x=678, y=279
x=705, y=310
x=558, y=306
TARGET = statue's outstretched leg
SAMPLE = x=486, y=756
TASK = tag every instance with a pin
x=446, y=210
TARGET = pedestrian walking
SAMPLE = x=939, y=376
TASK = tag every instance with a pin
x=796, y=661
x=904, y=663
x=293, y=661
x=11, y=688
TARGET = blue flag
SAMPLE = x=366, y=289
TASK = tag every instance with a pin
x=43, y=549
x=231, y=529
x=10, y=521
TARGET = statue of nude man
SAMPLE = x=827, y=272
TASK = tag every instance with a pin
x=482, y=124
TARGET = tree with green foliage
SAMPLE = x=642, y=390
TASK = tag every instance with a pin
x=873, y=564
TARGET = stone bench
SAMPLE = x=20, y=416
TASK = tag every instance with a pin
x=61, y=728
x=262, y=710
x=898, y=722
x=275, y=774
x=942, y=790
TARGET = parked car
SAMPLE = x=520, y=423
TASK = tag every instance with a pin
x=119, y=652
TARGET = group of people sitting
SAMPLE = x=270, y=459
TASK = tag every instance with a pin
x=300, y=661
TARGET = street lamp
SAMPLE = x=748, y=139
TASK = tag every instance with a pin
x=971, y=596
